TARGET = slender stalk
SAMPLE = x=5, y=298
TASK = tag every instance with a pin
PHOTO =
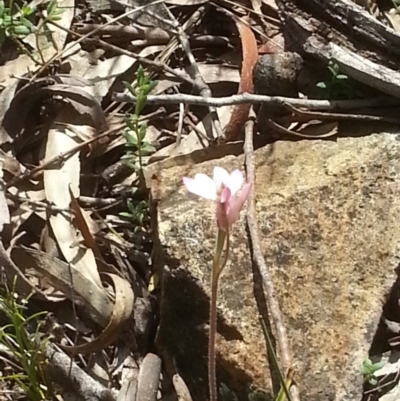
x=212, y=382
x=218, y=266
x=138, y=136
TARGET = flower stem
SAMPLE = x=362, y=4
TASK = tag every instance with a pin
x=218, y=266
x=211, y=345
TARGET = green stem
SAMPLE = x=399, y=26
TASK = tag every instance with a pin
x=37, y=33
x=139, y=141
x=215, y=274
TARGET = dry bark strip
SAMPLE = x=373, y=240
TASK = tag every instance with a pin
x=249, y=59
x=364, y=48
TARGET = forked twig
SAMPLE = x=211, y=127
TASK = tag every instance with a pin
x=311, y=104
x=258, y=258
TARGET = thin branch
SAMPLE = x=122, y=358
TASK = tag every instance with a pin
x=258, y=258
x=11, y=270
x=107, y=46
x=310, y=104
x=150, y=36
x=70, y=46
x=307, y=115
x=195, y=74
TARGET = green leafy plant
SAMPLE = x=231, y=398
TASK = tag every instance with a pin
x=226, y=394
x=368, y=371
x=337, y=86
x=27, y=347
x=285, y=381
x=15, y=26
x=137, y=211
x=135, y=131
x=51, y=14
x=137, y=146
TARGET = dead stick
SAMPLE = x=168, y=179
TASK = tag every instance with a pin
x=258, y=258
x=140, y=59
x=381, y=101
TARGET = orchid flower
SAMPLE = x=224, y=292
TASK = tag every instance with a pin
x=228, y=190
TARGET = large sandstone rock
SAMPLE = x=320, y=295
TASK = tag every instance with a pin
x=329, y=218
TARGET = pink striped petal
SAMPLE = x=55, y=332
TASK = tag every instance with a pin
x=236, y=204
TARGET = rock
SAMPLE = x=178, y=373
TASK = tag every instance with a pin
x=276, y=74
x=328, y=214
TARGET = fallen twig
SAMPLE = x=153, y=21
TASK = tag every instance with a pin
x=310, y=104
x=337, y=116
x=257, y=254
x=149, y=36
x=11, y=270
x=107, y=46
x=195, y=74
x=70, y=377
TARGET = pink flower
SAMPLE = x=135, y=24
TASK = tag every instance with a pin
x=228, y=190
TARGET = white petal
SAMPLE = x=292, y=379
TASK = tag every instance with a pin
x=235, y=181
x=221, y=176
x=202, y=185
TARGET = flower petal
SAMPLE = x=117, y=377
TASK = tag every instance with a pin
x=225, y=195
x=235, y=181
x=236, y=204
x=202, y=185
x=221, y=176
x=222, y=217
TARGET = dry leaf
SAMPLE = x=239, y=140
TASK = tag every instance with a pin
x=6, y=97
x=193, y=141
x=122, y=311
x=57, y=184
x=70, y=281
x=393, y=18
x=103, y=74
x=82, y=225
x=17, y=67
x=69, y=89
